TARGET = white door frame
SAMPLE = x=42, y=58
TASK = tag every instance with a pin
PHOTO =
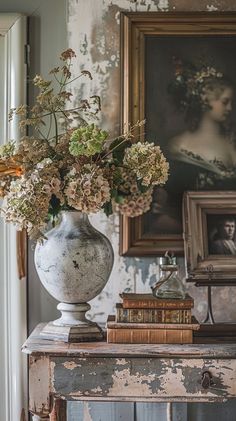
x=13, y=302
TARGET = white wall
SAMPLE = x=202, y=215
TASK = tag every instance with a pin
x=13, y=290
x=47, y=38
x=3, y=368
x=46, y=44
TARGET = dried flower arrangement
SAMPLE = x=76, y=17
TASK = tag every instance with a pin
x=68, y=163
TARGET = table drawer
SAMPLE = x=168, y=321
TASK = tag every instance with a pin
x=144, y=379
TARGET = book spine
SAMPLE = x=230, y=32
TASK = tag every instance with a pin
x=129, y=315
x=149, y=336
x=158, y=304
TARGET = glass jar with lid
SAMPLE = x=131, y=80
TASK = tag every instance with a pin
x=170, y=284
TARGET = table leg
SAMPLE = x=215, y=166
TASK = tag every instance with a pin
x=58, y=412
x=39, y=387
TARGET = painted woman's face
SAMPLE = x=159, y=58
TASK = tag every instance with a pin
x=220, y=105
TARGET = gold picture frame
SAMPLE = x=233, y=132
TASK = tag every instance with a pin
x=21, y=253
x=137, y=236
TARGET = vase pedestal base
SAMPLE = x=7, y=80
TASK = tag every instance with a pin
x=72, y=326
x=72, y=333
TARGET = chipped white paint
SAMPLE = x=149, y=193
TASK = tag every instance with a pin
x=172, y=379
x=52, y=368
x=141, y=5
x=163, y=5
x=137, y=385
x=39, y=385
x=117, y=18
x=97, y=390
x=173, y=382
x=211, y=8
x=121, y=361
x=70, y=365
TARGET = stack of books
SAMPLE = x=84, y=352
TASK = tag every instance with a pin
x=143, y=318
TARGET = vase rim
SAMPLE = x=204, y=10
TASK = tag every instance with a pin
x=73, y=211
x=65, y=214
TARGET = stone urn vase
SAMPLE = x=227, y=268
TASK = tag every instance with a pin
x=74, y=264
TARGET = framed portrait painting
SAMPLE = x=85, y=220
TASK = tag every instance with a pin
x=210, y=237
x=178, y=74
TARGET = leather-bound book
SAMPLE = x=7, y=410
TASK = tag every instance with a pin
x=150, y=333
x=133, y=300
x=152, y=315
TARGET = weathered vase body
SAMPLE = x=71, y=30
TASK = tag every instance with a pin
x=75, y=261
x=74, y=265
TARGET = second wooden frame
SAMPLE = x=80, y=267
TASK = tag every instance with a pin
x=203, y=212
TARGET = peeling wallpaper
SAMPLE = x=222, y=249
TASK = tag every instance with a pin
x=94, y=34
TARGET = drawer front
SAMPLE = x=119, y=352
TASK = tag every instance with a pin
x=144, y=379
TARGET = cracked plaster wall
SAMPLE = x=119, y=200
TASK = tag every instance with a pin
x=94, y=33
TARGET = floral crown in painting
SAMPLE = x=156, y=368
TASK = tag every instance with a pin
x=190, y=83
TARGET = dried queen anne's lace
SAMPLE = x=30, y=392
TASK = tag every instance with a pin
x=69, y=164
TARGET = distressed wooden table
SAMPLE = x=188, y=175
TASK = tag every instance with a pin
x=98, y=371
